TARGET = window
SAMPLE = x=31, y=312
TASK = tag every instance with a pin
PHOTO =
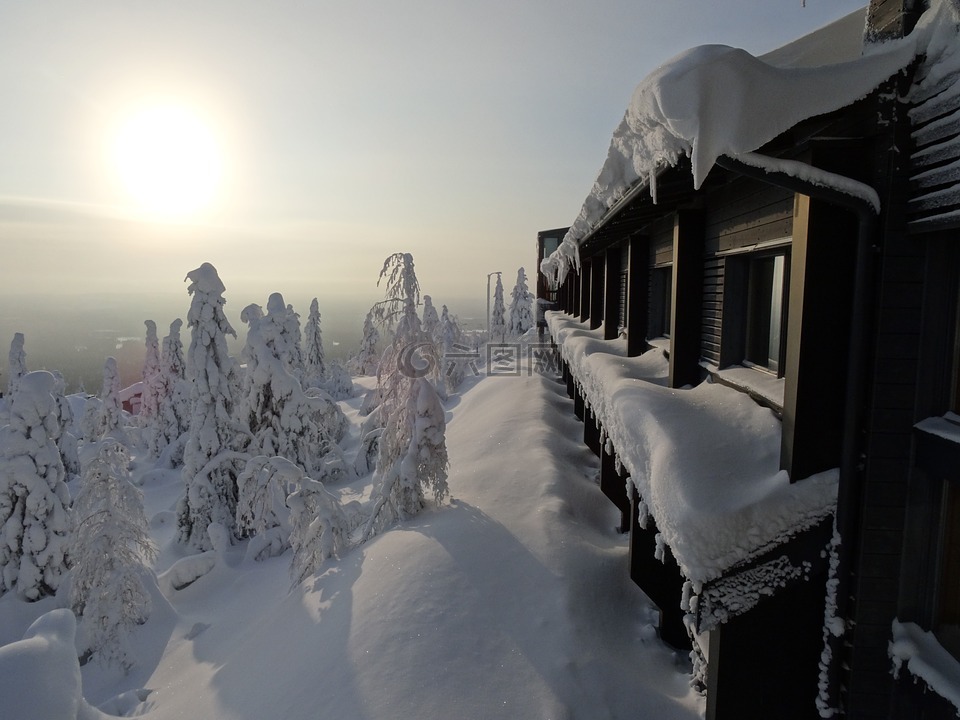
x=766, y=312
x=661, y=291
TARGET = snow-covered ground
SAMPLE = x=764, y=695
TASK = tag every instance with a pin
x=511, y=600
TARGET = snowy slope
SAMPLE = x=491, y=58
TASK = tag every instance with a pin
x=512, y=600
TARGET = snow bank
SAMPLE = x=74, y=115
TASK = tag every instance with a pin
x=41, y=674
x=705, y=460
x=717, y=100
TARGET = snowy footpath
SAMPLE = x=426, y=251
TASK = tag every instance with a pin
x=511, y=600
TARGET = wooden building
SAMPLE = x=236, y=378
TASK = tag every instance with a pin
x=836, y=309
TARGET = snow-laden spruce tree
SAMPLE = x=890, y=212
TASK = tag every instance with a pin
x=289, y=345
x=67, y=442
x=339, y=383
x=152, y=385
x=314, y=363
x=521, y=307
x=34, y=500
x=283, y=419
x=173, y=410
x=319, y=528
x=110, y=555
x=367, y=360
x=431, y=320
x=498, y=324
x=262, y=511
x=111, y=409
x=16, y=364
x=214, y=436
x=412, y=453
x=448, y=338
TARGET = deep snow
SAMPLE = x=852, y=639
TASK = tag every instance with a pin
x=510, y=600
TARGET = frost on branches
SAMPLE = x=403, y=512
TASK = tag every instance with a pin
x=498, y=325
x=16, y=364
x=34, y=500
x=173, y=410
x=110, y=554
x=282, y=418
x=521, y=306
x=412, y=451
x=213, y=438
x=315, y=368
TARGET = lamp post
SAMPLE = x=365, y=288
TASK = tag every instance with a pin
x=490, y=275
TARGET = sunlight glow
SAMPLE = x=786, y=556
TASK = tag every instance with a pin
x=168, y=160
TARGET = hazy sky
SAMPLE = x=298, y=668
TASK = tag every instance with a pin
x=344, y=130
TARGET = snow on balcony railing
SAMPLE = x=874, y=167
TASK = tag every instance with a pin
x=704, y=459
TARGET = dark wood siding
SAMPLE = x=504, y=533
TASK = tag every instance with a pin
x=712, y=308
x=747, y=213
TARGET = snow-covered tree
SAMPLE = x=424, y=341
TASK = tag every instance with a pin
x=16, y=364
x=34, y=500
x=339, y=382
x=173, y=411
x=110, y=553
x=153, y=386
x=319, y=528
x=214, y=436
x=262, y=510
x=521, y=306
x=448, y=337
x=411, y=449
x=111, y=409
x=315, y=367
x=430, y=318
x=67, y=442
x=282, y=418
x=498, y=325
x=367, y=359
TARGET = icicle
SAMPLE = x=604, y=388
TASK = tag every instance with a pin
x=642, y=513
x=652, y=184
x=609, y=447
x=660, y=553
x=618, y=464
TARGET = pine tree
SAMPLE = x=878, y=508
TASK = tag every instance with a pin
x=67, y=441
x=430, y=318
x=262, y=504
x=210, y=455
x=498, y=326
x=319, y=528
x=367, y=359
x=153, y=386
x=16, y=364
x=521, y=307
x=173, y=412
x=34, y=500
x=315, y=369
x=110, y=553
x=282, y=418
x=448, y=339
x=111, y=410
x=411, y=449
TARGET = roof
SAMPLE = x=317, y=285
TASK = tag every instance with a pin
x=716, y=100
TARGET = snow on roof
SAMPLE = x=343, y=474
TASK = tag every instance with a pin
x=705, y=460
x=925, y=658
x=717, y=100
x=839, y=41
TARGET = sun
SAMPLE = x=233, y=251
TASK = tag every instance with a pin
x=168, y=160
